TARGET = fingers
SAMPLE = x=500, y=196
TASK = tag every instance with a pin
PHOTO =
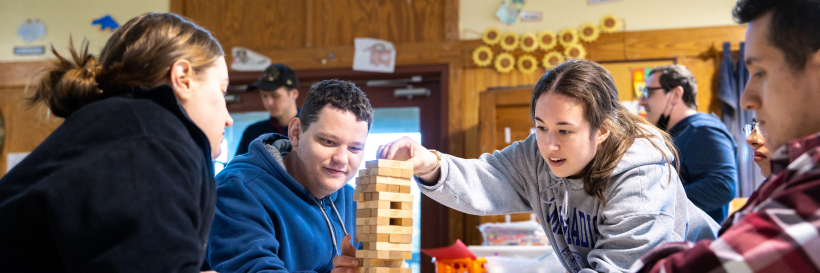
x=345, y=261
x=342, y=270
x=347, y=247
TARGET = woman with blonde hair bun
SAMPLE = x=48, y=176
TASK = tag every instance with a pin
x=126, y=182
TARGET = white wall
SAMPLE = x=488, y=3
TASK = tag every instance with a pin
x=66, y=17
x=477, y=15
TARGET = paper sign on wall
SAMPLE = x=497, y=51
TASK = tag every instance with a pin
x=248, y=60
x=374, y=55
x=13, y=159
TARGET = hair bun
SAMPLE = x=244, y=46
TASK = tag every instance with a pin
x=69, y=84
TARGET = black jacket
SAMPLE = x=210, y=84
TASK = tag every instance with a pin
x=125, y=184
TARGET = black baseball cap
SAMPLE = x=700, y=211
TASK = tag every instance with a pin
x=275, y=76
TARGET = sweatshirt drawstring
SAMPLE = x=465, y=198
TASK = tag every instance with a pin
x=329, y=224
x=565, y=204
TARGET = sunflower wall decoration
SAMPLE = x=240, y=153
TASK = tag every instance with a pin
x=610, y=24
x=552, y=59
x=568, y=37
x=529, y=42
x=575, y=51
x=483, y=56
x=546, y=40
x=504, y=63
x=491, y=36
x=527, y=64
x=588, y=33
x=509, y=41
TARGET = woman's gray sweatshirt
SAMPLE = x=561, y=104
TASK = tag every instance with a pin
x=644, y=207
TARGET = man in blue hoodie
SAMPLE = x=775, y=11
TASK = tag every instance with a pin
x=708, y=153
x=285, y=206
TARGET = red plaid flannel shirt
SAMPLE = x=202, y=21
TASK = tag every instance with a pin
x=776, y=231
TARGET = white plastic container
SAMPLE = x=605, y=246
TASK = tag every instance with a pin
x=548, y=264
x=527, y=233
x=510, y=251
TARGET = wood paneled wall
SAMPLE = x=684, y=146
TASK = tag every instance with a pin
x=26, y=125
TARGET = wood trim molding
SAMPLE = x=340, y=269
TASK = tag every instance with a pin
x=19, y=74
x=451, y=15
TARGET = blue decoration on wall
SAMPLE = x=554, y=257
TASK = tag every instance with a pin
x=106, y=22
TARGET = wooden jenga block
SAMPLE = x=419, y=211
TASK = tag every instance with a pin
x=401, y=205
x=362, y=229
x=363, y=213
x=389, y=180
x=393, y=188
x=380, y=263
x=381, y=163
x=384, y=254
x=382, y=270
x=380, y=171
x=363, y=173
x=398, y=197
x=387, y=246
x=392, y=213
x=407, y=173
x=400, y=238
x=372, y=237
x=374, y=188
x=378, y=204
x=376, y=221
x=404, y=189
x=358, y=197
x=390, y=229
x=405, y=222
x=404, y=255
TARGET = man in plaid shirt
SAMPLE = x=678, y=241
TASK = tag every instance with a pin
x=779, y=228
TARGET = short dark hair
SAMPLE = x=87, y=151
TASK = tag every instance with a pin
x=794, y=27
x=675, y=75
x=341, y=94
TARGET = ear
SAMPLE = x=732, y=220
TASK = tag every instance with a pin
x=813, y=63
x=295, y=131
x=603, y=132
x=182, y=74
x=677, y=95
x=294, y=93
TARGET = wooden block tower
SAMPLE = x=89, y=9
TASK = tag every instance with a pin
x=384, y=219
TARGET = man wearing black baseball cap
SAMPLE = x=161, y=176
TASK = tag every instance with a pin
x=279, y=89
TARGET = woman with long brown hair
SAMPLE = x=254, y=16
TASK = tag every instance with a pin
x=600, y=179
x=126, y=183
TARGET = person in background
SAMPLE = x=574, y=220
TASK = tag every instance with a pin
x=762, y=154
x=279, y=89
x=285, y=206
x=778, y=230
x=708, y=153
x=126, y=183
x=599, y=178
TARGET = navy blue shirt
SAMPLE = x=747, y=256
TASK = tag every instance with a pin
x=271, y=125
x=708, y=167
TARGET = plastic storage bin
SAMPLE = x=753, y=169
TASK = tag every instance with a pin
x=527, y=233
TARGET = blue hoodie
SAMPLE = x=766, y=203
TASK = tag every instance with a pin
x=266, y=221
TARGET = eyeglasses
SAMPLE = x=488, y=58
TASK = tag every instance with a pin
x=748, y=129
x=648, y=90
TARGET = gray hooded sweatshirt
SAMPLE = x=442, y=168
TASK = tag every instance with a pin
x=644, y=207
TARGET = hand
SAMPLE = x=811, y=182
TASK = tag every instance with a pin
x=405, y=148
x=347, y=262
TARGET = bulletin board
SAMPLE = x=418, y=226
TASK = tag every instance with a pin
x=622, y=74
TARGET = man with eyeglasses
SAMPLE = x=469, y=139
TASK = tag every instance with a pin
x=708, y=153
x=778, y=230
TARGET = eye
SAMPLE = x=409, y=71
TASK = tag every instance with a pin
x=759, y=74
x=355, y=149
x=564, y=132
x=541, y=128
x=327, y=142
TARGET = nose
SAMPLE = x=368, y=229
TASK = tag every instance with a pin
x=339, y=157
x=229, y=121
x=642, y=101
x=750, y=100
x=552, y=145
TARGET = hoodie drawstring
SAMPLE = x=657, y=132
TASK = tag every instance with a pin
x=329, y=224
x=565, y=206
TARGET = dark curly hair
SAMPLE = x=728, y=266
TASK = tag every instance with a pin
x=794, y=27
x=341, y=94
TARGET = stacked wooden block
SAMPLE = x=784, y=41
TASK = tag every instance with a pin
x=384, y=219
